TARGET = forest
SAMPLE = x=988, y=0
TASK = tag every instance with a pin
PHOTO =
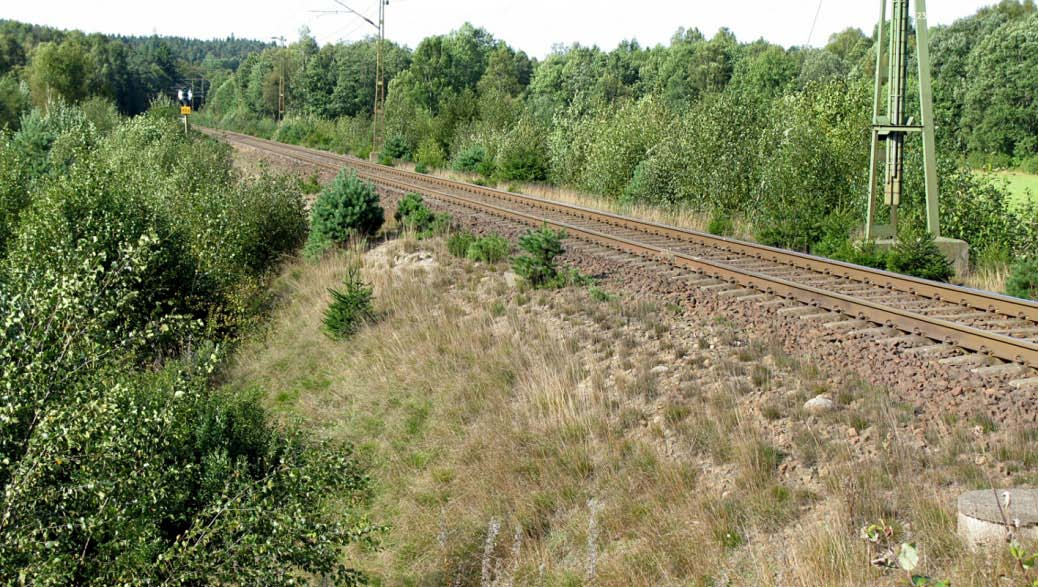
x=39, y=64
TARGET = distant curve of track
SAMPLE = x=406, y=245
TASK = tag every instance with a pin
x=981, y=322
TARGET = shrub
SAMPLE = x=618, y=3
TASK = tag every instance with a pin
x=720, y=224
x=539, y=265
x=1023, y=279
x=412, y=214
x=120, y=460
x=470, y=159
x=395, y=148
x=489, y=249
x=916, y=253
x=458, y=244
x=430, y=153
x=858, y=253
x=346, y=208
x=350, y=308
x=421, y=168
x=1030, y=165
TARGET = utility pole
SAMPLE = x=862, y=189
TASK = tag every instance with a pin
x=890, y=128
x=378, y=114
x=281, y=82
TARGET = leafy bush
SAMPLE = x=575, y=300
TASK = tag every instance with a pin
x=858, y=253
x=346, y=208
x=120, y=460
x=458, y=244
x=421, y=168
x=539, y=266
x=523, y=155
x=395, y=147
x=720, y=224
x=916, y=253
x=488, y=249
x=1023, y=279
x=430, y=153
x=470, y=159
x=412, y=214
x=350, y=308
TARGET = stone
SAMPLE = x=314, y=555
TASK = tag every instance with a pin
x=659, y=369
x=981, y=521
x=819, y=405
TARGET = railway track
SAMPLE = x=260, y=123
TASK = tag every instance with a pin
x=992, y=333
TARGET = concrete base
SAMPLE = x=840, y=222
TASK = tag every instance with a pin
x=956, y=251
x=981, y=522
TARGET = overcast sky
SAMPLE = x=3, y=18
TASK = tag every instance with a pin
x=531, y=25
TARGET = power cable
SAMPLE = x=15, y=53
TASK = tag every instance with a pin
x=814, y=23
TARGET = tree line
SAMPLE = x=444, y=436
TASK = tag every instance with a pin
x=776, y=136
x=40, y=64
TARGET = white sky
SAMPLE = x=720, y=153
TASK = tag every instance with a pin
x=531, y=25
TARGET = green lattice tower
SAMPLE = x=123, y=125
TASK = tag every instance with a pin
x=890, y=127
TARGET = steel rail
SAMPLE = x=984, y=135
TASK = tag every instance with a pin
x=979, y=299
x=1004, y=347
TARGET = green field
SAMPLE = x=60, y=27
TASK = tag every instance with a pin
x=1021, y=185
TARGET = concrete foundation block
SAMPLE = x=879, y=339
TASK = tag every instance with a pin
x=981, y=521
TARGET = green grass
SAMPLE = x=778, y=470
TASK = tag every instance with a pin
x=1022, y=186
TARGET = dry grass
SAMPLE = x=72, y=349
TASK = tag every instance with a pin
x=991, y=278
x=522, y=438
x=674, y=215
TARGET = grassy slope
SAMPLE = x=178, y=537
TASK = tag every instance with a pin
x=523, y=438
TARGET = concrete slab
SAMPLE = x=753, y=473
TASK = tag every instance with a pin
x=981, y=519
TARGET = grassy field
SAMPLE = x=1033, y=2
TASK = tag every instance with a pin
x=1022, y=186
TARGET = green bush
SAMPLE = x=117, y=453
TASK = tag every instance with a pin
x=489, y=249
x=720, y=224
x=858, y=253
x=421, y=168
x=395, y=148
x=430, y=153
x=916, y=253
x=350, y=308
x=346, y=208
x=539, y=265
x=1030, y=165
x=458, y=244
x=470, y=159
x=1023, y=280
x=120, y=458
x=412, y=214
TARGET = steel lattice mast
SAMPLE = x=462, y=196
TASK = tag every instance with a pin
x=890, y=127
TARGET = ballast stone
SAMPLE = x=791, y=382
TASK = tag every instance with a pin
x=819, y=405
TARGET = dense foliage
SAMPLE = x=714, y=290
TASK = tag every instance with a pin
x=1023, y=281
x=126, y=269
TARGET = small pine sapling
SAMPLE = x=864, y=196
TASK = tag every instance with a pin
x=350, y=308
